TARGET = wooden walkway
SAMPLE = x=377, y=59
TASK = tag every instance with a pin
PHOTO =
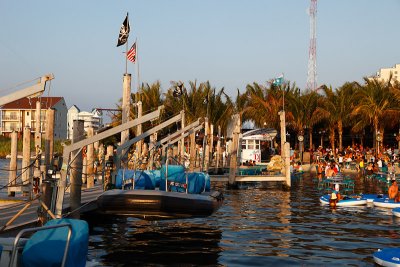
x=30, y=215
x=249, y=178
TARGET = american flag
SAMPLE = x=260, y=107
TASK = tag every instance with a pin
x=131, y=55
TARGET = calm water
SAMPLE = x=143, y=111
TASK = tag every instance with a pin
x=255, y=227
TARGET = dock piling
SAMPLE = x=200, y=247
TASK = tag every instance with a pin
x=76, y=170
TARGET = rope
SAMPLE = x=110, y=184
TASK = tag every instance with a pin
x=18, y=176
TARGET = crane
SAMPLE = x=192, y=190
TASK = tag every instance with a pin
x=31, y=91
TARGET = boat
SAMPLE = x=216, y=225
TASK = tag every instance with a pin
x=396, y=211
x=372, y=197
x=386, y=203
x=60, y=242
x=346, y=201
x=387, y=257
x=148, y=195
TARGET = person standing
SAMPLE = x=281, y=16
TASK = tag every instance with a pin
x=393, y=191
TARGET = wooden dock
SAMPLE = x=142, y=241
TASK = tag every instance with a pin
x=249, y=178
x=30, y=215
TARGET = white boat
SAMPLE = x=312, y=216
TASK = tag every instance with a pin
x=386, y=203
x=372, y=197
x=345, y=202
x=389, y=257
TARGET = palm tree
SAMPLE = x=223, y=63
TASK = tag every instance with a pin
x=378, y=105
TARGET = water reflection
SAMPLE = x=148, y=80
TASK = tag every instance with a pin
x=258, y=225
x=132, y=242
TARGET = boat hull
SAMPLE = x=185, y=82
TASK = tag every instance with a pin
x=344, y=202
x=157, y=205
x=387, y=257
x=386, y=203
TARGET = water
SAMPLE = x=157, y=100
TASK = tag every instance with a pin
x=255, y=227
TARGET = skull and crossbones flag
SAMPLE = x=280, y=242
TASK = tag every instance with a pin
x=178, y=90
x=124, y=32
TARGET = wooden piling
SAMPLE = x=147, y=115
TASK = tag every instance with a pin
x=38, y=122
x=211, y=142
x=234, y=150
x=182, y=141
x=126, y=97
x=13, y=164
x=218, y=148
x=90, y=160
x=26, y=156
x=49, y=140
x=47, y=186
x=206, y=148
x=139, y=144
x=192, y=151
x=287, y=164
x=76, y=170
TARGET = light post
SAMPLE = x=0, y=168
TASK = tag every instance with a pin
x=322, y=133
x=379, y=139
x=300, y=137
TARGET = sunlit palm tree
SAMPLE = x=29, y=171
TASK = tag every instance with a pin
x=378, y=104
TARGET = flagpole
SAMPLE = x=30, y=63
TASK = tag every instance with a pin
x=126, y=57
x=138, y=73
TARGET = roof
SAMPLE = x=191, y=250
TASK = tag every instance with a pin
x=26, y=103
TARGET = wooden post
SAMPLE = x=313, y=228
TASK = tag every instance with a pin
x=90, y=160
x=76, y=170
x=38, y=135
x=13, y=164
x=192, y=151
x=47, y=185
x=26, y=156
x=139, y=144
x=38, y=149
x=211, y=142
x=218, y=148
x=234, y=150
x=126, y=96
x=182, y=142
x=49, y=141
x=206, y=148
x=287, y=164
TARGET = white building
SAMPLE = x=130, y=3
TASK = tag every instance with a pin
x=20, y=113
x=384, y=74
x=90, y=119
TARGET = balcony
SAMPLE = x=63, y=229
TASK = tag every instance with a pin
x=7, y=117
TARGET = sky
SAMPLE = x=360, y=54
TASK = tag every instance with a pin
x=230, y=43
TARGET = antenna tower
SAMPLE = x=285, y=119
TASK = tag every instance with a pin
x=312, y=50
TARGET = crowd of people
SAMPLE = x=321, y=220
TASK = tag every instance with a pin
x=364, y=160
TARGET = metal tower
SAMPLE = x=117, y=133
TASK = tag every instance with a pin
x=312, y=52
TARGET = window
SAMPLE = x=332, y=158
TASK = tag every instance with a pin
x=244, y=144
x=250, y=144
x=257, y=144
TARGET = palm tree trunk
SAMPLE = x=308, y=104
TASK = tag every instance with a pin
x=332, y=140
x=310, y=135
x=340, y=132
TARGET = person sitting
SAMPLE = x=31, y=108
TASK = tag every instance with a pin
x=333, y=199
x=319, y=171
x=329, y=172
x=394, y=191
x=370, y=169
